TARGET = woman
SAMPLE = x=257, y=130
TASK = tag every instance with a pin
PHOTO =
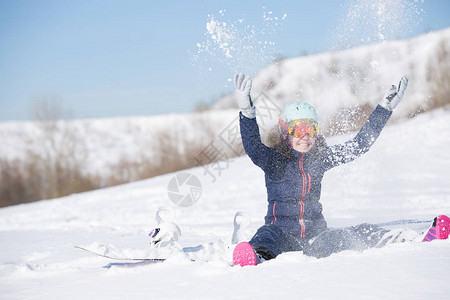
x=293, y=173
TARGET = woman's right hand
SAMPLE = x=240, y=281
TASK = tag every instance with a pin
x=243, y=85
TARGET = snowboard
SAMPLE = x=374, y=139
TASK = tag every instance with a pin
x=153, y=260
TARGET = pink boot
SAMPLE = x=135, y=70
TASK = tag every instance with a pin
x=439, y=230
x=245, y=255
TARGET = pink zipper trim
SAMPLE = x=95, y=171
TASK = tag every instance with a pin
x=273, y=212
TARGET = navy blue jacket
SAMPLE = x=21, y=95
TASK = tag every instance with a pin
x=294, y=183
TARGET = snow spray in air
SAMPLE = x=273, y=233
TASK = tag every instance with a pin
x=375, y=21
x=236, y=45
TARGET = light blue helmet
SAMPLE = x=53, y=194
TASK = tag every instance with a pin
x=295, y=111
x=298, y=110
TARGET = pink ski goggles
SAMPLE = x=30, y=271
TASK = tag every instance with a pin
x=299, y=128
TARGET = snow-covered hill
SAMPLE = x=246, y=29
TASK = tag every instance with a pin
x=107, y=141
x=330, y=81
x=404, y=176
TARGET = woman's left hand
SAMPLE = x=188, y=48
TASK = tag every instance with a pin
x=395, y=95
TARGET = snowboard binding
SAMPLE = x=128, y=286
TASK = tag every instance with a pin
x=166, y=233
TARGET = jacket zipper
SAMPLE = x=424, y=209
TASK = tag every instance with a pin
x=305, y=187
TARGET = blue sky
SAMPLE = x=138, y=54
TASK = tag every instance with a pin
x=122, y=58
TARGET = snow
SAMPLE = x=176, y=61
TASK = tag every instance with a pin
x=236, y=44
x=404, y=176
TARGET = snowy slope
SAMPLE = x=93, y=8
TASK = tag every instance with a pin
x=404, y=176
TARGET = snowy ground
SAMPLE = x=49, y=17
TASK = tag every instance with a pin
x=404, y=176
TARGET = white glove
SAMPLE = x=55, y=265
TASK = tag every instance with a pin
x=395, y=95
x=243, y=84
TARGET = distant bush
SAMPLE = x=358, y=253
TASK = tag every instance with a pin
x=56, y=164
x=333, y=67
x=348, y=119
x=438, y=75
x=168, y=156
x=14, y=188
x=53, y=167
